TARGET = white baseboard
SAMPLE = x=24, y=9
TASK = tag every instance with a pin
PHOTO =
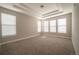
x=60, y=36
x=30, y=36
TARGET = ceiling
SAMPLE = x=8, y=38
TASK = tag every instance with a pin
x=34, y=9
x=47, y=7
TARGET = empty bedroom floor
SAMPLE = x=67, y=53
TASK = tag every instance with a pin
x=40, y=45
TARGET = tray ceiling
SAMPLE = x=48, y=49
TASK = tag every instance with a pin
x=34, y=9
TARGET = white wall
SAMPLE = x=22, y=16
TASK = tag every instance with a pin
x=75, y=27
x=25, y=25
x=0, y=29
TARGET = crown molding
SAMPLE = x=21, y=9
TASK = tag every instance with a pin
x=52, y=13
x=19, y=8
x=23, y=8
x=27, y=10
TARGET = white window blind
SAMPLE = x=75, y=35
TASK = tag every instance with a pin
x=62, y=25
x=53, y=26
x=8, y=24
x=39, y=26
x=45, y=26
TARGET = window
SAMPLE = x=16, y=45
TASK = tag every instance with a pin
x=39, y=26
x=57, y=26
x=53, y=26
x=45, y=26
x=62, y=25
x=8, y=24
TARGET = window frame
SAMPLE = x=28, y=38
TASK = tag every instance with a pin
x=39, y=25
x=46, y=26
x=63, y=25
x=56, y=26
x=52, y=26
x=12, y=35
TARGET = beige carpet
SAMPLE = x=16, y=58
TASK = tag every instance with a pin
x=41, y=45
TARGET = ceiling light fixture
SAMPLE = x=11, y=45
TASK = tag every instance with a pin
x=42, y=6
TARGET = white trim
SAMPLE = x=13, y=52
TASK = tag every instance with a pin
x=66, y=37
x=18, y=8
x=60, y=36
x=30, y=36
